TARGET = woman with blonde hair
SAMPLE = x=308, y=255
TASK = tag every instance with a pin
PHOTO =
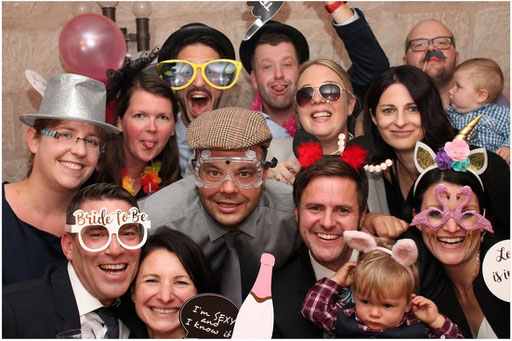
x=324, y=101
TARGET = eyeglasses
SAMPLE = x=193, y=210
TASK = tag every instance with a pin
x=218, y=73
x=331, y=92
x=96, y=237
x=69, y=139
x=210, y=172
x=440, y=43
x=469, y=220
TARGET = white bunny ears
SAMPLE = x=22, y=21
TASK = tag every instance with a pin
x=404, y=252
x=36, y=80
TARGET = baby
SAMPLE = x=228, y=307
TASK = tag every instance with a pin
x=383, y=282
x=478, y=83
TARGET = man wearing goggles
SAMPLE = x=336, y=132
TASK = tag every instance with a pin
x=105, y=232
x=198, y=62
x=228, y=198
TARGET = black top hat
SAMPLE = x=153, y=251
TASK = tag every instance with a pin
x=299, y=41
x=177, y=38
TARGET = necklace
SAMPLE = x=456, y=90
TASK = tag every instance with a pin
x=473, y=276
x=149, y=179
x=337, y=151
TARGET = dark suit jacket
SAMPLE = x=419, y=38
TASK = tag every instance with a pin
x=40, y=308
x=290, y=285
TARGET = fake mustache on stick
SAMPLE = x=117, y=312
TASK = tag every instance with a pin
x=439, y=54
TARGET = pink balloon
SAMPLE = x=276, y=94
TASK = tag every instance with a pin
x=90, y=44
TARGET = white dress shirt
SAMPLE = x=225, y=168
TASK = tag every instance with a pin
x=92, y=325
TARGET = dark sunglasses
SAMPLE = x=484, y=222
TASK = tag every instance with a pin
x=331, y=92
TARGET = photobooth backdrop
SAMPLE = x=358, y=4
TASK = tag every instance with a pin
x=30, y=38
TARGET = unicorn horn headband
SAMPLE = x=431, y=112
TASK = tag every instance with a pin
x=454, y=155
x=404, y=252
x=463, y=134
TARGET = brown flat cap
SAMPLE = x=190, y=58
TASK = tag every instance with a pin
x=229, y=129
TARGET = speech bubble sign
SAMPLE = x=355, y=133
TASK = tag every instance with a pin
x=208, y=316
x=496, y=270
x=265, y=10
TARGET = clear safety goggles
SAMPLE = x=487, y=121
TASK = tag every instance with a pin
x=95, y=229
x=245, y=172
x=220, y=74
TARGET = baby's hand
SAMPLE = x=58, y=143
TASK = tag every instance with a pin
x=426, y=311
x=504, y=152
x=344, y=274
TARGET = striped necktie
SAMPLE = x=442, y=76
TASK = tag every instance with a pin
x=108, y=316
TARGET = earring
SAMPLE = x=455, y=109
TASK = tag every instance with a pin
x=482, y=236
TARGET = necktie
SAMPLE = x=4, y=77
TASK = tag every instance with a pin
x=345, y=296
x=108, y=316
x=231, y=285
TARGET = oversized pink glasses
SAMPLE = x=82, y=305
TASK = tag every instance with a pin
x=468, y=220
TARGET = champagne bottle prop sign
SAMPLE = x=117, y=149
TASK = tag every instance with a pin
x=208, y=316
x=263, y=11
x=255, y=320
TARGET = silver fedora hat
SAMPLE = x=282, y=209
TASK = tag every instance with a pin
x=73, y=97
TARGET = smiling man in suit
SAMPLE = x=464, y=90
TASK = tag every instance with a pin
x=83, y=291
x=330, y=197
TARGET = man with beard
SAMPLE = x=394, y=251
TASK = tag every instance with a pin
x=273, y=57
x=430, y=46
x=227, y=207
x=198, y=62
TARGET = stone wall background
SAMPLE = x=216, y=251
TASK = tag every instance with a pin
x=30, y=33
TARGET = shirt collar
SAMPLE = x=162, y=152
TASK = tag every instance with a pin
x=181, y=130
x=84, y=300
x=215, y=231
x=321, y=271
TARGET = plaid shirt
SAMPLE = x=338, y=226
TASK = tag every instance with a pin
x=493, y=129
x=322, y=308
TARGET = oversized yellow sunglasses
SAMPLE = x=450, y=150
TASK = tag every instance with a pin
x=218, y=73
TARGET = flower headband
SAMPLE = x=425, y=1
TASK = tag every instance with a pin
x=454, y=155
x=404, y=252
x=308, y=150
